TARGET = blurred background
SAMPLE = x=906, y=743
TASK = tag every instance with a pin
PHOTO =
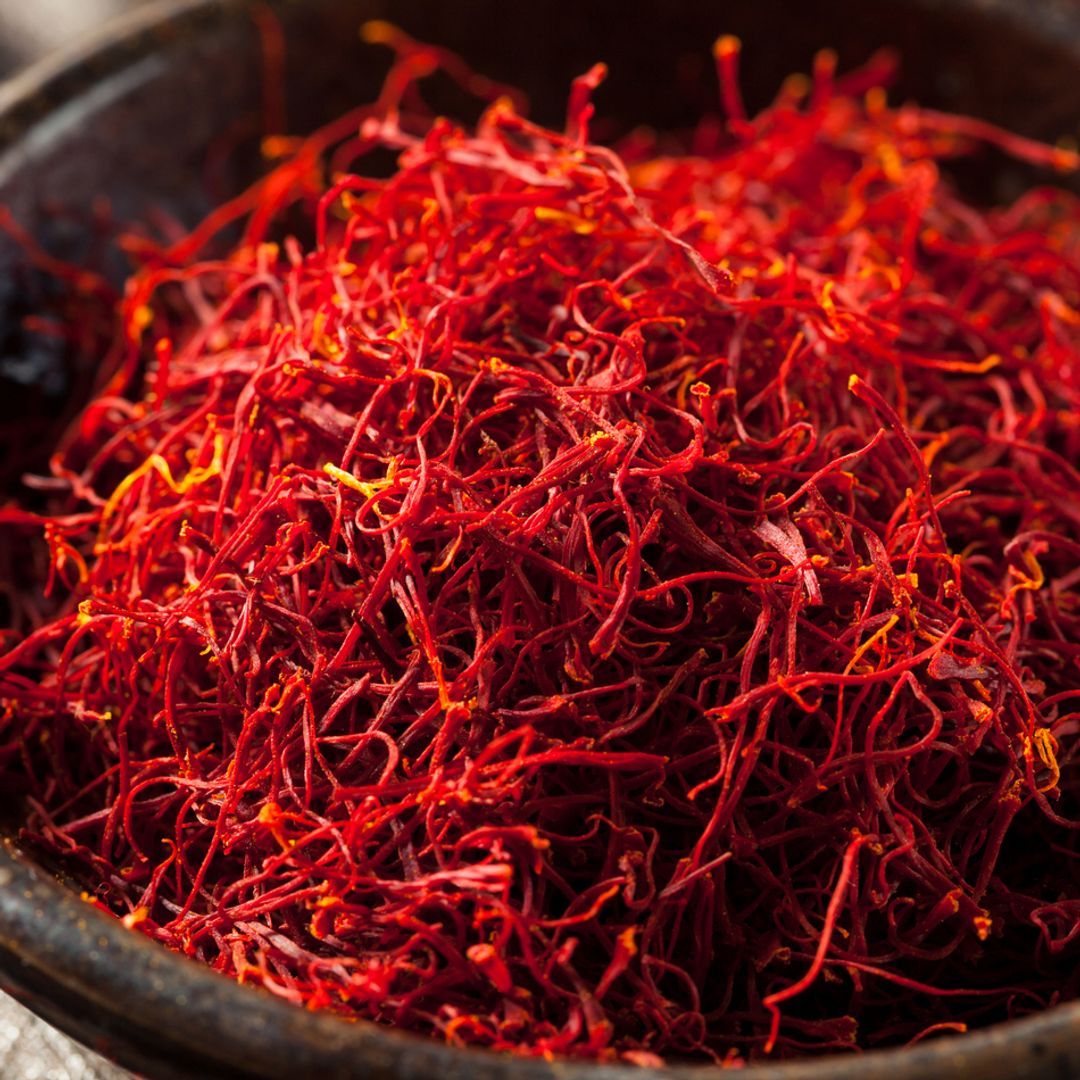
x=31, y=28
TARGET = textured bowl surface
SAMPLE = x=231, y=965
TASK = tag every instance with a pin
x=132, y=116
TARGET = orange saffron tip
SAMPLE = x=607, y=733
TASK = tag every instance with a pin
x=727, y=45
x=876, y=99
x=379, y=32
x=277, y=146
x=1065, y=159
x=825, y=58
x=796, y=85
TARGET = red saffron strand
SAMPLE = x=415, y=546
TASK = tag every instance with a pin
x=828, y=928
x=726, y=52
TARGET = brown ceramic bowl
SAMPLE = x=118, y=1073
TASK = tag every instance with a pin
x=131, y=115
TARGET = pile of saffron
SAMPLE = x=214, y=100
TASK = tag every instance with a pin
x=619, y=603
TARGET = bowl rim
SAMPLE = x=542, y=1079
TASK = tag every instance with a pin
x=148, y=1008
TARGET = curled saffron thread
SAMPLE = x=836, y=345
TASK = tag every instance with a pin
x=836, y=901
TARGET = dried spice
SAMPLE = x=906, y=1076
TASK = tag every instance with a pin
x=587, y=601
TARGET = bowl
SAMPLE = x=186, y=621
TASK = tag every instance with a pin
x=135, y=115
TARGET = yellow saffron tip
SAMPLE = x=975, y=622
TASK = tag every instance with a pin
x=133, y=918
x=727, y=45
x=141, y=318
x=853, y=381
